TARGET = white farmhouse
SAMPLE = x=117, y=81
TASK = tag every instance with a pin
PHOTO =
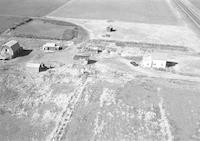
x=51, y=47
x=155, y=60
x=147, y=61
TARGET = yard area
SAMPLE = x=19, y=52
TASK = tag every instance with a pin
x=116, y=102
x=146, y=11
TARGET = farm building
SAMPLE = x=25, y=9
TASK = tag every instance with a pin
x=110, y=29
x=51, y=47
x=37, y=67
x=10, y=50
x=158, y=61
x=33, y=67
x=81, y=58
x=95, y=50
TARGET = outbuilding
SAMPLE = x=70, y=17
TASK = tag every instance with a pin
x=81, y=58
x=10, y=50
x=110, y=29
x=51, y=47
x=33, y=67
x=37, y=67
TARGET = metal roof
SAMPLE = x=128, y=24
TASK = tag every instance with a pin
x=33, y=65
x=156, y=56
x=50, y=45
x=10, y=43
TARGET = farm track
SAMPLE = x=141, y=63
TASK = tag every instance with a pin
x=145, y=45
x=18, y=16
x=189, y=12
x=60, y=130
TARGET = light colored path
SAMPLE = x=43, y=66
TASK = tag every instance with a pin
x=66, y=115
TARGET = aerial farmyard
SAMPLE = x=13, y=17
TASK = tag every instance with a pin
x=99, y=70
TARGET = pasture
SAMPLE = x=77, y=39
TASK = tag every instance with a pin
x=46, y=30
x=145, y=11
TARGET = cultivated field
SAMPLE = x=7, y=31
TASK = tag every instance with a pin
x=195, y=3
x=9, y=22
x=12, y=12
x=29, y=7
x=146, y=11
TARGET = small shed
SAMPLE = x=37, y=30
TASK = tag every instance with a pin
x=33, y=67
x=110, y=28
x=10, y=50
x=95, y=50
x=81, y=58
x=51, y=47
x=37, y=67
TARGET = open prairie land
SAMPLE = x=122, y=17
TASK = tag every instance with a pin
x=146, y=11
x=116, y=104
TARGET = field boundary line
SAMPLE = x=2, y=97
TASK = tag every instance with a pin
x=52, y=12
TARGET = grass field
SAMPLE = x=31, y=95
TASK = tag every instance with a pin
x=46, y=30
x=9, y=22
x=148, y=11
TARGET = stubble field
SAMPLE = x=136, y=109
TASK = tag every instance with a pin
x=146, y=11
x=29, y=7
x=195, y=3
